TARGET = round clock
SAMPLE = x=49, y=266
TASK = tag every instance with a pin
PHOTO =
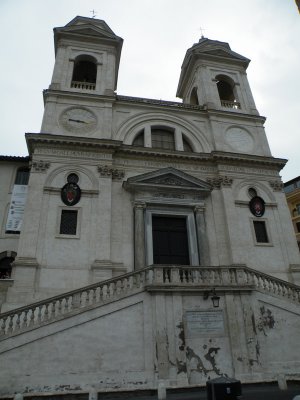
x=239, y=139
x=78, y=120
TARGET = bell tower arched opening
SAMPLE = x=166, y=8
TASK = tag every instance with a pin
x=225, y=86
x=194, y=97
x=84, y=72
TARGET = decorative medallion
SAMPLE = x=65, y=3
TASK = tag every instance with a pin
x=71, y=193
x=257, y=206
x=239, y=139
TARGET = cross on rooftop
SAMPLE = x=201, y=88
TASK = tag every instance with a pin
x=202, y=30
x=93, y=13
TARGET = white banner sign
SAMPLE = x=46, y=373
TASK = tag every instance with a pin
x=16, y=209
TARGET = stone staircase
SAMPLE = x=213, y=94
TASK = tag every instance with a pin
x=235, y=278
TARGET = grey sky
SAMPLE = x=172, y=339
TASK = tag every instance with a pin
x=156, y=35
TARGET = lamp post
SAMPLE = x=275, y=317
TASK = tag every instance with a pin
x=215, y=299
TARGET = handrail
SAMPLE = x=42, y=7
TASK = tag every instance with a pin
x=235, y=277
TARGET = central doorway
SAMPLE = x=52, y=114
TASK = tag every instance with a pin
x=170, y=240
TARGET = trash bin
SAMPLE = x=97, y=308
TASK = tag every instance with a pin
x=223, y=389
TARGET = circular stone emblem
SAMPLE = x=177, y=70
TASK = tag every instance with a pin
x=257, y=206
x=239, y=139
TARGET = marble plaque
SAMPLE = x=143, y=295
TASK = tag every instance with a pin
x=200, y=323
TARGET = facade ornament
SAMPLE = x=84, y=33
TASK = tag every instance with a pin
x=109, y=172
x=139, y=205
x=220, y=181
x=40, y=166
x=277, y=186
x=199, y=209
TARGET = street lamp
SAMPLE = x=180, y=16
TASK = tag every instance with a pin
x=214, y=298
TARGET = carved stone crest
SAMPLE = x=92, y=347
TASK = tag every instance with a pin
x=109, y=172
x=277, y=186
x=40, y=166
x=220, y=181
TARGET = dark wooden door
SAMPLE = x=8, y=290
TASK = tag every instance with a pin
x=170, y=242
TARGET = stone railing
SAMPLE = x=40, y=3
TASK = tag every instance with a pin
x=231, y=104
x=232, y=278
x=83, y=85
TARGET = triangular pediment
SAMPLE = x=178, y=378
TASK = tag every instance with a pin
x=88, y=27
x=216, y=48
x=167, y=179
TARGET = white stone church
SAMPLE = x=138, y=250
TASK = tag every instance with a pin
x=145, y=240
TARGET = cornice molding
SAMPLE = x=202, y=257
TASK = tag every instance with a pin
x=117, y=148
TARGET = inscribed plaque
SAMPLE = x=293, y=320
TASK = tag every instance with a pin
x=204, y=323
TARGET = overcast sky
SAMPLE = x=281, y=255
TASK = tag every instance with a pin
x=156, y=35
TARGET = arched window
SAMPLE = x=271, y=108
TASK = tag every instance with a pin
x=84, y=73
x=194, y=97
x=139, y=139
x=22, y=176
x=227, y=96
x=162, y=138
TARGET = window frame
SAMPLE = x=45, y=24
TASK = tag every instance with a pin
x=78, y=227
x=190, y=226
x=264, y=244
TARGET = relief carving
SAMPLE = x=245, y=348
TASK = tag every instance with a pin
x=220, y=181
x=40, y=166
x=108, y=172
x=277, y=186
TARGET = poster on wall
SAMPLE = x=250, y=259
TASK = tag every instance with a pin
x=16, y=209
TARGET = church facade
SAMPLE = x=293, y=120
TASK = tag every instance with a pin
x=130, y=215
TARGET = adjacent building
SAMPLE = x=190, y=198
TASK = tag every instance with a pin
x=292, y=192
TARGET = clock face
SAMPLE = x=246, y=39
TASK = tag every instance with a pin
x=239, y=139
x=78, y=120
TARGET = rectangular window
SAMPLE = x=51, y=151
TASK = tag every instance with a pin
x=260, y=232
x=68, y=222
x=298, y=226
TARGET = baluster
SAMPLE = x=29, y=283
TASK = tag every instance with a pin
x=25, y=319
x=46, y=314
x=111, y=290
x=125, y=285
x=3, y=326
x=39, y=314
x=59, y=308
x=104, y=293
x=31, y=320
x=10, y=324
x=75, y=301
x=17, y=324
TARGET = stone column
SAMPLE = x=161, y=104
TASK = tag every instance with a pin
x=147, y=136
x=203, y=247
x=139, y=235
x=178, y=140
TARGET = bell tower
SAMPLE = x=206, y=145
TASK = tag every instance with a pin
x=87, y=56
x=215, y=76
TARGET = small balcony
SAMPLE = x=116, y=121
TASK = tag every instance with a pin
x=83, y=85
x=231, y=104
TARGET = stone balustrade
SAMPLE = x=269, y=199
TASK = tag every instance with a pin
x=83, y=85
x=161, y=277
x=231, y=104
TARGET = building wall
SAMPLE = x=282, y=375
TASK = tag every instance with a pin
x=133, y=342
